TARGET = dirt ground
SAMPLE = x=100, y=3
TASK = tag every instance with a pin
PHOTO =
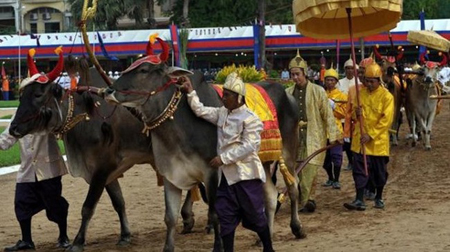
x=416, y=217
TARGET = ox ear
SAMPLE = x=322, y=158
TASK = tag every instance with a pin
x=175, y=72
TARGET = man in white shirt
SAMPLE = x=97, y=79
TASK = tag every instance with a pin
x=349, y=79
x=240, y=193
x=38, y=185
x=285, y=75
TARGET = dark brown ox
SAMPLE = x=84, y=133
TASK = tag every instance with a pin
x=183, y=144
x=393, y=84
x=99, y=149
x=420, y=109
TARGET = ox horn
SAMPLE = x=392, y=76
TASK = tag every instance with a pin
x=422, y=57
x=400, y=53
x=59, y=66
x=377, y=54
x=444, y=59
x=164, y=55
x=30, y=62
x=151, y=41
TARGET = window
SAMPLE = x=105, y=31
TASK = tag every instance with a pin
x=52, y=27
x=33, y=28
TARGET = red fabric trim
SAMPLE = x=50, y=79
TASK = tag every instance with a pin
x=152, y=59
x=268, y=124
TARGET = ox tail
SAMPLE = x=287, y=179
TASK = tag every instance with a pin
x=202, y=188
x=108, y=134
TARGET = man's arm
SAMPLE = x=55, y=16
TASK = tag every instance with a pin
x=251, y=141
x=210, y=114
x=6, y=140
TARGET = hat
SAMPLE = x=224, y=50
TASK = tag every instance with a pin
x=234, y=83
x=373, y=71
x=331, y=73
x=298, y=61
x=349, y=63
x=365, y=62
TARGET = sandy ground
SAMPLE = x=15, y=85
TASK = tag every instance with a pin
x=416, y=218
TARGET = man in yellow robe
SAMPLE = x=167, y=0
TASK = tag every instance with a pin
x=333, y=157
x=377, y=110
x=316, y=122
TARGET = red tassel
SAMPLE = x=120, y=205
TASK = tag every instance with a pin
x=164, y=55
x=58, y=68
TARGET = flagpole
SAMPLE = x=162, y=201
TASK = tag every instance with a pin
x=18, y=56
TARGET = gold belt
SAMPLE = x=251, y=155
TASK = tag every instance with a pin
x=302, y=124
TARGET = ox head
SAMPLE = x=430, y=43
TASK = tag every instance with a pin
x=388, y=62
x=39, y=96
x=430, y=69
x=144, y=82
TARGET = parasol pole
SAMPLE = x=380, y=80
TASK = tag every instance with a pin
x=358, y=103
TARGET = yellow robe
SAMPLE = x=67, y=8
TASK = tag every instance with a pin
x=340, y=106
x=378, y=114
x=321, y=121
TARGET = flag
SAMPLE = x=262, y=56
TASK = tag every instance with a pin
x=3, y=72
x=104, y=52
x=338, y=48
x=422, y=49
x=176, y=43
x=256, y=28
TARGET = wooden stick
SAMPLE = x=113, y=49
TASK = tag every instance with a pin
x=439, y=96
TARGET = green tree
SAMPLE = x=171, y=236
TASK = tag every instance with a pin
x=412, y=8
x=110, y=11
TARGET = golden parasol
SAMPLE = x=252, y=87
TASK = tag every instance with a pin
x=429, y=39
x=333, y=19
x=328, y=19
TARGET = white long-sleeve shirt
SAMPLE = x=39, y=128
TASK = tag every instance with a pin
x=40, y=156
x=239, y=139
x=345, y=84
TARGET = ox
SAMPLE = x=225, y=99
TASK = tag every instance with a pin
x=392, y=80
x=184, y=145
x=99, y=149
x=420, y=109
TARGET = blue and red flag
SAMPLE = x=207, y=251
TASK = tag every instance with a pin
x=102, y=46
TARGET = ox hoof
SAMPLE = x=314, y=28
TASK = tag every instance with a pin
x=75, y=248
x=298, y=231
x=187, y=227
x=209, y=228
x=124, y=241
x=428, y=148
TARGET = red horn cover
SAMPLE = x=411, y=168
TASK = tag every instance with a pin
x=31, y=65
x=444, y=60
x=377, y=54
x=164, y=55
x=58, y=68
x=149, y=49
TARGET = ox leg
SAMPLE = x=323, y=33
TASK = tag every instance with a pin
x=94, y=193
x=187, y=214
x=213, y=220
x=412, y=122
x=270, y=198
x=115, y=193
x=427, y=131
x=172, y=197
x=295, y=224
